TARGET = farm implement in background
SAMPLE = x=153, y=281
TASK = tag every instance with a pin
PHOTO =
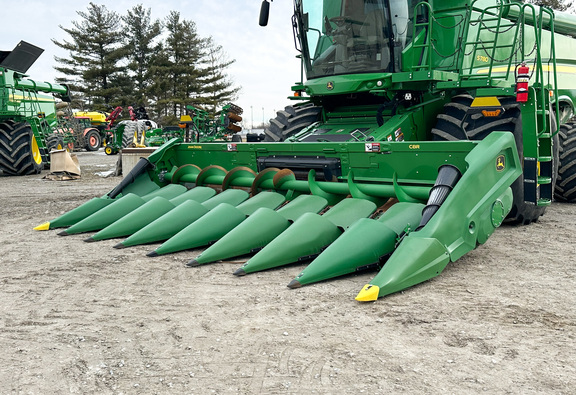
x=198, y=126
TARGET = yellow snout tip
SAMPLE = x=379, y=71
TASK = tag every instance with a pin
x=44, y=226
x=369, y=293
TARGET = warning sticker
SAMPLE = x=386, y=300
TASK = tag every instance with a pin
x=232, y=147
x=399, y=135
x=372, y=147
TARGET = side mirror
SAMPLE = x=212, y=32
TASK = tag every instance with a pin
x=264, y=12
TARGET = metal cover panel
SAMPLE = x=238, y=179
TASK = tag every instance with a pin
x=22, y=57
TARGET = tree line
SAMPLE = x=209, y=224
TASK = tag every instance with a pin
x=132, y=59
x=560, y=5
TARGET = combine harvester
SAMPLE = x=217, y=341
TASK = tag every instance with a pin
x=27, y=114
x=421, y=128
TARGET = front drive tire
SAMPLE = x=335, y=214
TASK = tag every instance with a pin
x=454, y=125
x=19, y=152
x=291, y=120
x=566, y=182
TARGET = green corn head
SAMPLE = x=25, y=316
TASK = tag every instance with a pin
x=421, y=128
x=343, y=227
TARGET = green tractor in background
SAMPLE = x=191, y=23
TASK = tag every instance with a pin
x=27, y=114
x=420, y=128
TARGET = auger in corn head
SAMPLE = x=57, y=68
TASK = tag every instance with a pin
x=420, y=128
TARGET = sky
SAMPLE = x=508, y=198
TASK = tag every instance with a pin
x=265, y=68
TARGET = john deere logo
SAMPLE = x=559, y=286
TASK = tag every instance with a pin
x=330, y=85
x=500, y=163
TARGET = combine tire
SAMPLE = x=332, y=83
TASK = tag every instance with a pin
x=55, y=141
x=454, y=125
x=290, y=121
x=566, y=181
x=19, y=153
x=93, y=140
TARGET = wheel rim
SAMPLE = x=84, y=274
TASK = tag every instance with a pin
x=93, y=141
x=36, y=152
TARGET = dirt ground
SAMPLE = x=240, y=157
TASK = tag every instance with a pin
x=90, y=319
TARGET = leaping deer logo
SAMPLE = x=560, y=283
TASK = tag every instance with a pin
x=500, y=163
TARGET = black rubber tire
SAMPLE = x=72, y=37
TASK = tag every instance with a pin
x=454, y=125
x=237, y=138
x=110, y=151
x=55, y=141
x=291, y=120
x=93, y=140
x=128, y=133
x=566, y=182
x=19, y=152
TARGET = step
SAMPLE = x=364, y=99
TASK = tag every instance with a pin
x=544, y=180
x=544, y=202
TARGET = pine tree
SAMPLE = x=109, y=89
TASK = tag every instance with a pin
x=160, y=85
x=140, y=36
x=218, y=89
x=165, y=76
x=177, y=74
x=95, y=51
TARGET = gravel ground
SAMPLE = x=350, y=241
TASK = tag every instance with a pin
x=90, y=319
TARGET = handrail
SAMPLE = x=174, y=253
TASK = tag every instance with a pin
x=491, y=19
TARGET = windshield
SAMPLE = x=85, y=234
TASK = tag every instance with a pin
x=352, y=36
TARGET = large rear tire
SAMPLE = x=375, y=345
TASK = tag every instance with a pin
x=130, y=128
x=455, y=125
x=19, y=152
x=566, y=183
x=291, y=120
x=93, y=140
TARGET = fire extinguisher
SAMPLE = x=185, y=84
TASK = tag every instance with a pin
x=522, y=78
